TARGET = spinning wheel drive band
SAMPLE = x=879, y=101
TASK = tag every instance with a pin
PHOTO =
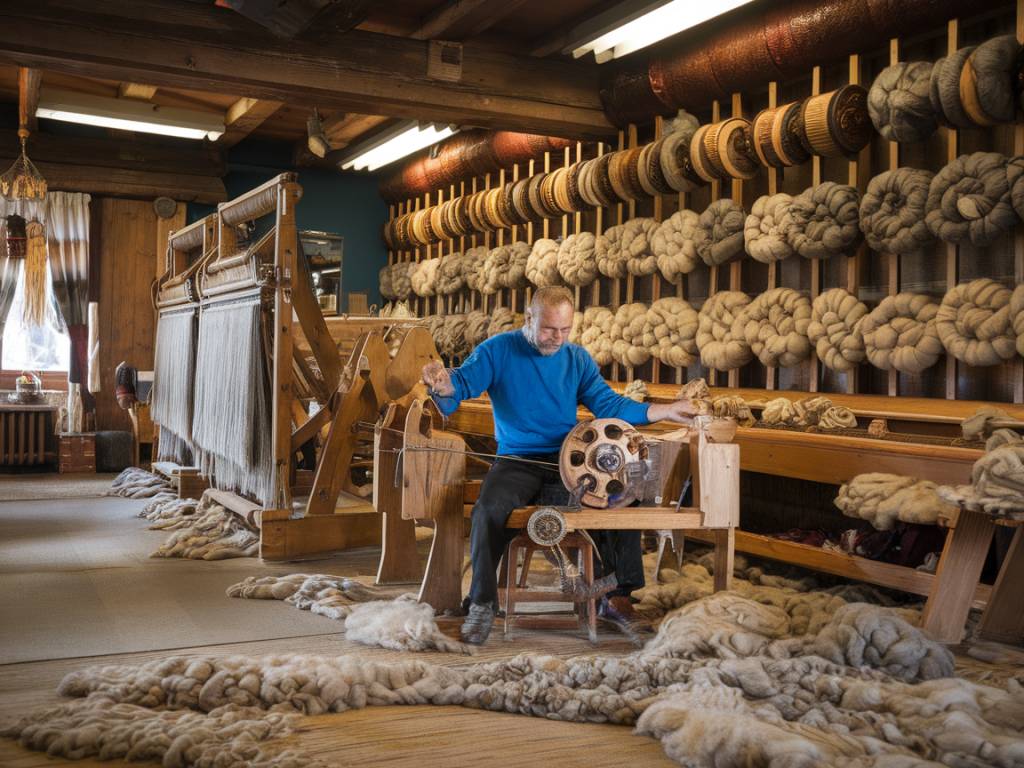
x=607, y=460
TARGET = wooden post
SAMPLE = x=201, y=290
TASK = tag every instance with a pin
x=285, y=253
x=771, y=373
x=1017, y=365
x=716, y=115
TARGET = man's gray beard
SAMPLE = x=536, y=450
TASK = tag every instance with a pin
x=531, y=337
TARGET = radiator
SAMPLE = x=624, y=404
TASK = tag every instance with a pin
x=23, y=436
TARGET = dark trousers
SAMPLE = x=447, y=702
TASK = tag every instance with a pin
x=511, y=484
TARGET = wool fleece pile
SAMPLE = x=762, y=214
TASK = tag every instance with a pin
x=763, y=675
x=372, y=616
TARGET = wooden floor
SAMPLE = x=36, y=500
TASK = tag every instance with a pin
x=393, y=736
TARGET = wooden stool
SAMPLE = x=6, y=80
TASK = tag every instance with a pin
x=517, y=590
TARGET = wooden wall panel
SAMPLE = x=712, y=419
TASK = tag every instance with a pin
x=128, y=252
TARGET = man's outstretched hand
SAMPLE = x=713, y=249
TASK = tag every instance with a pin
x=436, y=377
x=681, y=411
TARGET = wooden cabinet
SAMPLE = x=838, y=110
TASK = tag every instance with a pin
x=77, y=452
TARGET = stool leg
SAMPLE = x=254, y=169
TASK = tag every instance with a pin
x=527, y=557
x=511, y=556
x=586, y=554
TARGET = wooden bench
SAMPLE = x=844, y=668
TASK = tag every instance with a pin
x=835, y=459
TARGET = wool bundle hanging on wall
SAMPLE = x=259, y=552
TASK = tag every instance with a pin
x=892, y=211
x=969, y=199
x=974, y=324
x=231, y=427
x=823, y=221
x=900, y=333
x=720, y=340
x=899, y=102
x=775, y=327
x=719, y=236
x=577, y=263
x=835, y=331
x=763, y=233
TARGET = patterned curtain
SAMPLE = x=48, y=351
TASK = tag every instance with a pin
x=67, y=244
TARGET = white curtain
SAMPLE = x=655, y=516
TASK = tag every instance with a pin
x=67, y=248
x=67, y=241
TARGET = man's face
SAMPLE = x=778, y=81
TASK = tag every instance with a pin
x=553, y=326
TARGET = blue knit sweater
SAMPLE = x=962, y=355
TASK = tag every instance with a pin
x=534, y=397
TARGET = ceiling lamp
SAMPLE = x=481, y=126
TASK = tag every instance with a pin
x=23, y=181
x=638, y=31
x=128, y=115
x=393, y=144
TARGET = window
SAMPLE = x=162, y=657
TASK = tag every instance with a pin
x=24, y=348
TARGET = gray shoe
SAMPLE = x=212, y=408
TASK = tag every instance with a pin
x=478, y=623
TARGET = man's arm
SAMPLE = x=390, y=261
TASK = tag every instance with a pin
x=604, y=402
x=470, y=379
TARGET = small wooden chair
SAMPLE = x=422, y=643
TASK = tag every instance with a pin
x=517, y=589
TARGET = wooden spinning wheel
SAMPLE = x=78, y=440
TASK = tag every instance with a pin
x=606, y=458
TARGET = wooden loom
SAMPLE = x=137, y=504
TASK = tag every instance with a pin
x=304, y=366
x=420, y=475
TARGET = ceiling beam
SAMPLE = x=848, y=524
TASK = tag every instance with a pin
x=29, y=81
x=245, y=116
x=179, y=156
x=204, y=48
x=450, y=17
x=136, y=91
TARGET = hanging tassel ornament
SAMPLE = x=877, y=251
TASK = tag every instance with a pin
x=35, y=275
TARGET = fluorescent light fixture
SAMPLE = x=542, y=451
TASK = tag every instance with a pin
x=655, y=25
x=128, y=115
x=392, y=145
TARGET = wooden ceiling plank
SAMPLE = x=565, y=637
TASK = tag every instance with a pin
x=451, y=14
x=245, y=116
x=29, y=82
x=359, y=72
x=138, y=91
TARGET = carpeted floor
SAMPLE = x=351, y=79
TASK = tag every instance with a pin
x=76, y=580
x=28, y=487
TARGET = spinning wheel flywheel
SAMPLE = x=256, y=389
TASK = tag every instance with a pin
x=606, y=460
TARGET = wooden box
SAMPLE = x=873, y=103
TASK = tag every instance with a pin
x=77, y=452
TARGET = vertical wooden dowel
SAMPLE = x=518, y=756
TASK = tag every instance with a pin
x=771, y=373
x=953, y=251
x=813, y=368
x=893, y=259
x=735, y=268
x=1017, y=365
x=859, y=172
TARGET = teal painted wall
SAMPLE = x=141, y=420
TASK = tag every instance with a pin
x=346, y=204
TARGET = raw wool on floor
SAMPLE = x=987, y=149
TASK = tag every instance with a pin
x=170, y=513
x=319, y=593
x=212, y=533
x=817, y=711
x=372, y=615
x=99, y=726
x=402, y=624
x=135, y=483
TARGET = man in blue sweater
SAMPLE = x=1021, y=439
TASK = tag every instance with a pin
x=536, y=379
